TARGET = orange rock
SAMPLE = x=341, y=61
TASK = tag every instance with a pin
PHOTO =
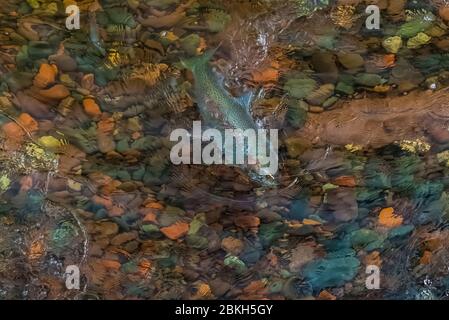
x=136, y=135
x=326, y=295
x=266, y=75
x=104, y=201
x=99, y=178
x=57, y=92
x=176, y=230
x=202, y=290
x=144, y=211
x=110, y=187
x=124, y=237
x=26, y=183
x=14, y=135
x=36, y=249
x=389, y=60
x=106, y=125
x=444, y=13
x=116, y=211
x=111, y=264
x=154, y=205
x=105, y=142
x=46, y=76
x=150, y=217
x=247, y=222
x=145, y=266
x=13, y=131
x=345, y=181
x=311, y=222
x=426, y=257
x=255, y=287
x=28, y=122
x=232, y=245
x=388, y=219
x=434, y=243
x=91, y=108
x=373, y=259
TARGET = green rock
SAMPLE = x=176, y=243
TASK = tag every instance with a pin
x=331, y=272
x=39, y=50
x=122, y=146
x=418, y=41
x=120, y=15
x=297, y=113
x=326, y=41
x=393, y=44
x=300, y=87
x=270, y=232
x=33, y=3
x=400, y=231
x=4, y=183
x=329, y=186
x=330, y=102
x=365, y=238
x=351, y=60
x=197, y=242
x=138, y=174
x=341, y=253
x=197, y=223
x=105, y=74
x=151, y=230
x=235, y=263
x=161, y=4
x=150, y=177
x=275, y=286
x=415, y=26
x=174, y=210
x=325, y=66
x=296, y=146
x=318, y=96
x=123, y=175
x=217, y=20
x=129, y=267
x=368, y=79
x=344, y=88
x=378, y=244
x=24, y=8
x=145, y=143
x=62, y=236
x=17, y=81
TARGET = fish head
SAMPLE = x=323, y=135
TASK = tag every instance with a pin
x=194, y=63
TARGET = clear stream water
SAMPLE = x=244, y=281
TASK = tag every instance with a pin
x=86, y=179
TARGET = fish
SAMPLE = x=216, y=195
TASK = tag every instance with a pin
x=94, y=33
x=220, y=110
x=216, y=105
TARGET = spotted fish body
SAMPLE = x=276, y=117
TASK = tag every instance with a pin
x=218, y=108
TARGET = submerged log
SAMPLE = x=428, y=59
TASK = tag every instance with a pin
x=377, y=122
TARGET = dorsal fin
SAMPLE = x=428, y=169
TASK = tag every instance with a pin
x=245, y=100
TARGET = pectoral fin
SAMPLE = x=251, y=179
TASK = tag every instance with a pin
x=246, y=100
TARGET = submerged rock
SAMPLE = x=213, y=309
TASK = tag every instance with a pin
x=331, y=272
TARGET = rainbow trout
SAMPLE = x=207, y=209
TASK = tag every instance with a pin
x=221, y=111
